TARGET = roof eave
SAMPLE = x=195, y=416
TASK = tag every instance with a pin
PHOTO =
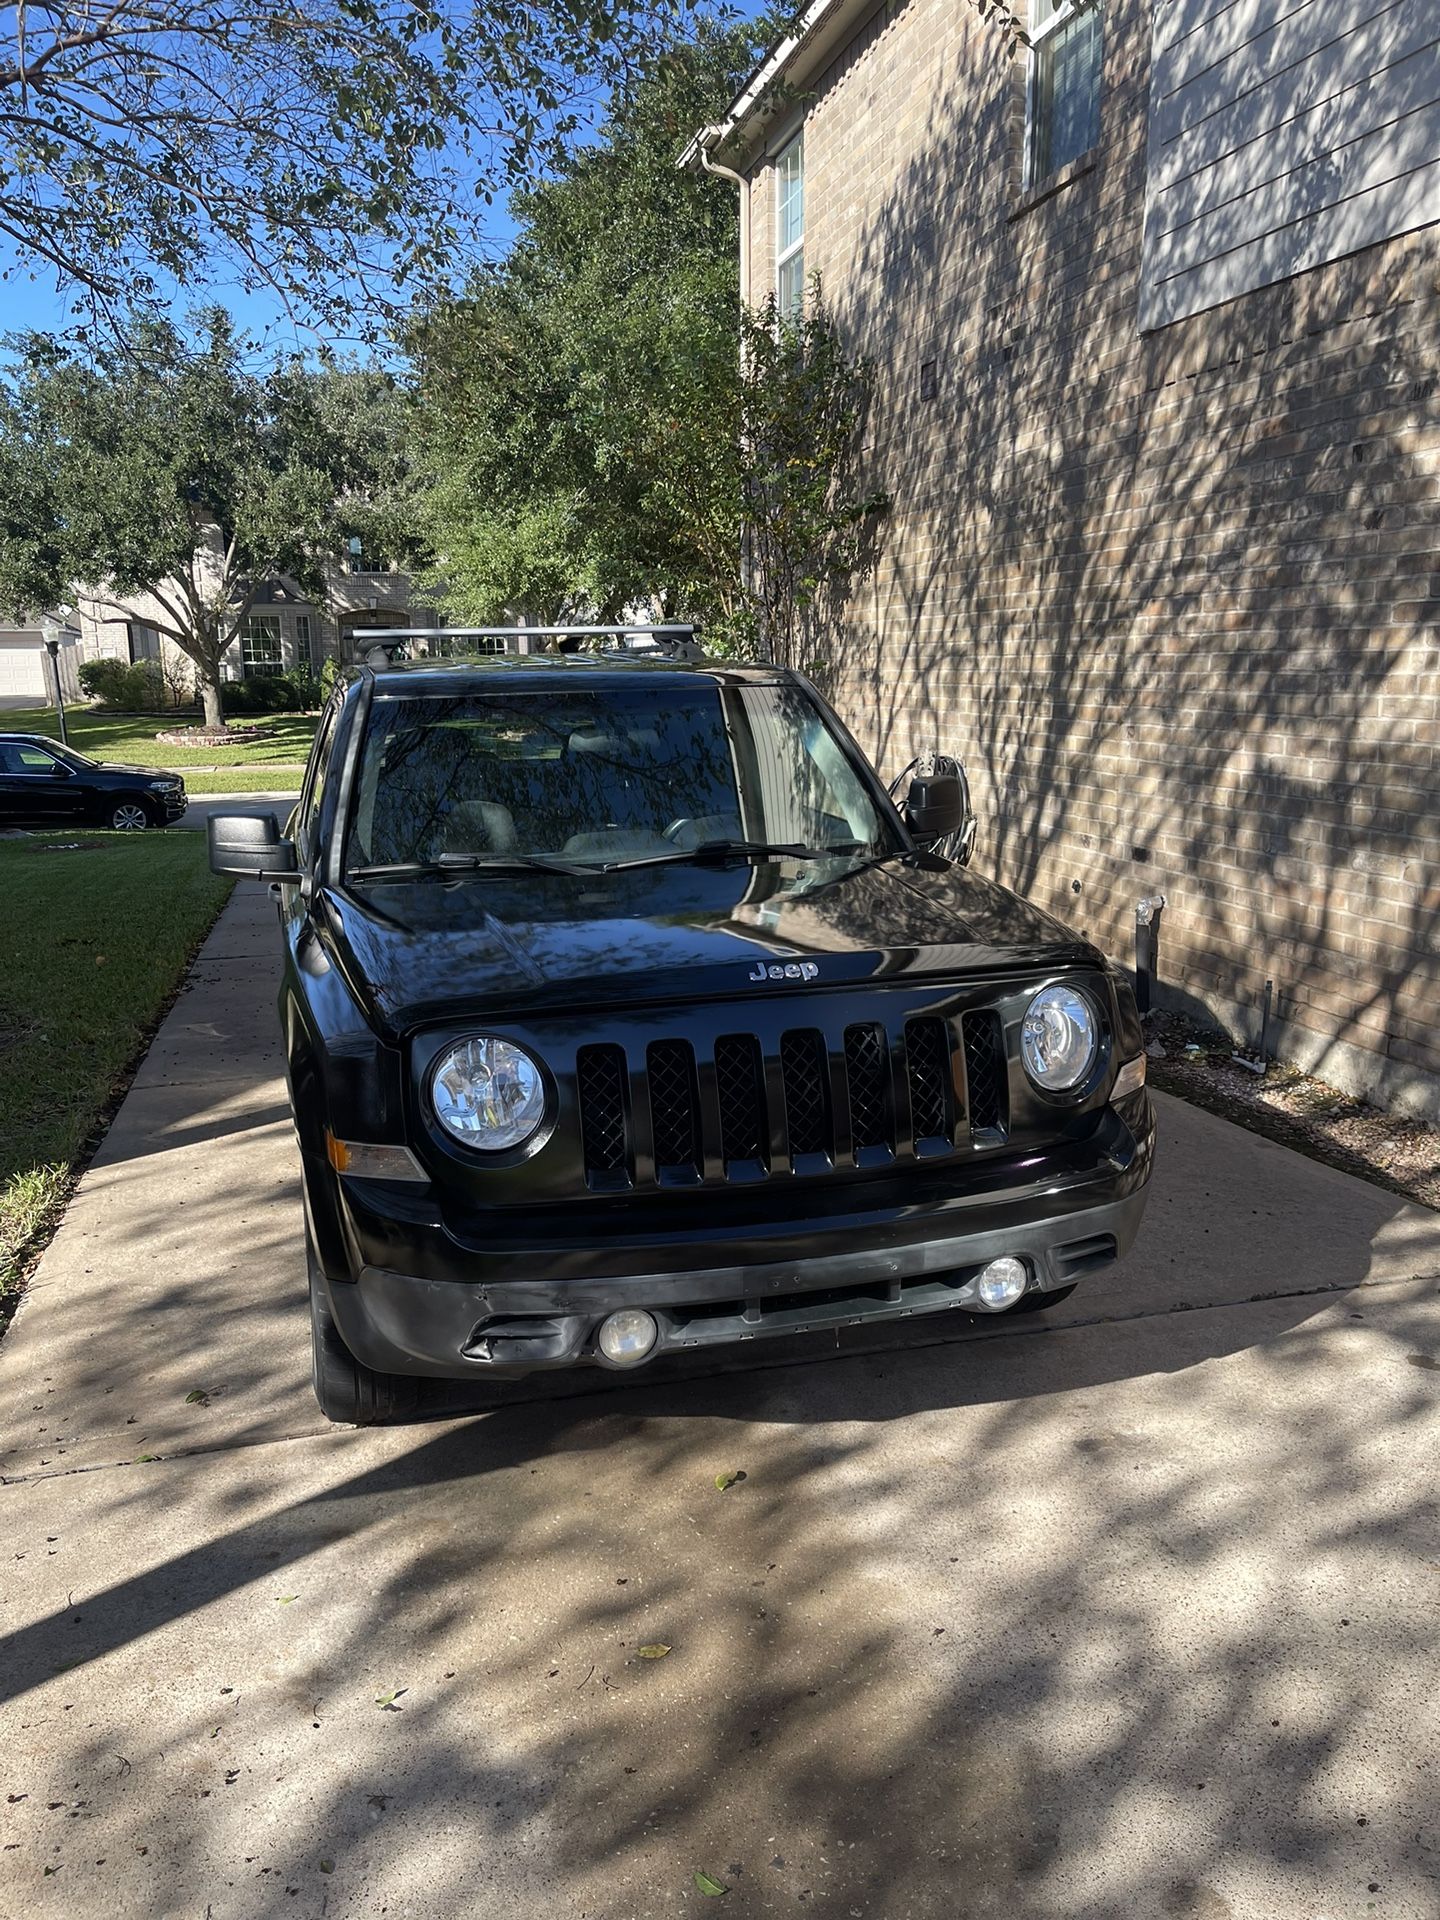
x=809, y=45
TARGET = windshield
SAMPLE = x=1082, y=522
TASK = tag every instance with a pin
x=596, y=776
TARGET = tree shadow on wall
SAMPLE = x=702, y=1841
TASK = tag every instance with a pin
x=1170, y=598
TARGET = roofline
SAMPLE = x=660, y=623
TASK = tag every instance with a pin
x=815, y=31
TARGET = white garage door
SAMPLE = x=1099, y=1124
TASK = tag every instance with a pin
x=22, y=672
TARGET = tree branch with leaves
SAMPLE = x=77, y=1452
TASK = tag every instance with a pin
x=337, y=152
x=179, y=469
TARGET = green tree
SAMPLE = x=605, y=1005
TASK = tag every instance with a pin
x=606, y=428
x=809, y=516
x=567, y=399
x=336, y=151
x=177, y=468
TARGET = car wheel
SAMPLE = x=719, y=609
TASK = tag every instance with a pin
x=345, y=1388
x=1037, y=1301
x=129, y=817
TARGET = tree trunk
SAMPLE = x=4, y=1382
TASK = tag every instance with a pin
x=210, y=700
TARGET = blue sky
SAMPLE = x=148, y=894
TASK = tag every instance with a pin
x=34, y=302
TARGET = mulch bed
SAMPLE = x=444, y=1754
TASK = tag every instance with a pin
x=1290, y=1107
x=208, y=736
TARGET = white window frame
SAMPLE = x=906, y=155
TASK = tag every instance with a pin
x=796, y=249
x=258, y=627
x=1064, y=13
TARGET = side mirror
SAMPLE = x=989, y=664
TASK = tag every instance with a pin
x=936, y=807
x=939, y=814
x=57, y=772
x=248, y=847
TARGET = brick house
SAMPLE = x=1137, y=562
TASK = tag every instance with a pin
x=282, y=629
x=1154, y=310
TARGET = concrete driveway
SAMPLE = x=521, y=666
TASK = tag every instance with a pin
x=1130, y=1614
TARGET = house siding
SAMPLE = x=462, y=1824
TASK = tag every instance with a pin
x=1174, y=596
x=1283, y=137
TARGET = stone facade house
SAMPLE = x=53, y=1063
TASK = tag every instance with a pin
x=1154, y=310
x=283, y=628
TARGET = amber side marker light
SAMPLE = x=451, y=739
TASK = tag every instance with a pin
x=1130, y=1079
x=363, y=1160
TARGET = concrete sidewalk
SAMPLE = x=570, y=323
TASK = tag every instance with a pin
x=1128, y=1614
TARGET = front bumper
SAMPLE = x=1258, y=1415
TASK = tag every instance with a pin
x=171, y=806
x=413, y=1305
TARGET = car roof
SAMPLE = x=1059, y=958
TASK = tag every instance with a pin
x=530, y=672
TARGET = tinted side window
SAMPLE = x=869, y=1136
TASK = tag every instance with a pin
x=23, y=758
x=315, y=791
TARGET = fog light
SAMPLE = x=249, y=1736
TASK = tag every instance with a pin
x=627, y=1337
x=1001, y=1284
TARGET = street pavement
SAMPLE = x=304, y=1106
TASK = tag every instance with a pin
x=1125, y=1610
x=202, y=805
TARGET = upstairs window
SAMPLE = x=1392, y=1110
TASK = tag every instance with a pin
x=1067, y=47
x=790, y=229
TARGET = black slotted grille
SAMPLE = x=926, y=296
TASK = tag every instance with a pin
x=741, y=1094
x=804, y=1070
x=927, y=1065
x=867, y=1065
x=985, y=1071
x=674, y=1105
x=600, y=1074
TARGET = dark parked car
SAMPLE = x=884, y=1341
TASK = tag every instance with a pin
x=626, y=1015
x=43, y=784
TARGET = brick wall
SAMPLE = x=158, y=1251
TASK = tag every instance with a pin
x=1176, y=599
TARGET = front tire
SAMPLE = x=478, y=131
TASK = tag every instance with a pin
x=129, y=817
x=349, y=1392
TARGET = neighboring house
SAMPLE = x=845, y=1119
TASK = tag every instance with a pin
x=1154, y=317
x=283, y=628
x=25, y=670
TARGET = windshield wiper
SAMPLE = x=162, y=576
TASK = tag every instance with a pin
x=457, y=865
x=735, y=850
x=449, y=866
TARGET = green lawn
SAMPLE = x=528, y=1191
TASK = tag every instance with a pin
x=273, y=778
x=92, y=945
x=131, y=736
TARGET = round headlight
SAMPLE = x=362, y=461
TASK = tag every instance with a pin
x=1059, y=1038
x=488, y=1093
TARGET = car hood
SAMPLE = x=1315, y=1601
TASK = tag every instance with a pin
x=145, y=773
x=422, y=953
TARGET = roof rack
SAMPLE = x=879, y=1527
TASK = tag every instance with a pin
x=672, y=640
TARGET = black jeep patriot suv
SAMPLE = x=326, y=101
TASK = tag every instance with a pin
x=625, y=1014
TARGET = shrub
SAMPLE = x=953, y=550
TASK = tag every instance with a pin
x=294, y=691
x=131, y=689
x=304, y=684
x=331, y=674
x=271, y=693
x=245, y=696
x=143, y=688
x=103, y=679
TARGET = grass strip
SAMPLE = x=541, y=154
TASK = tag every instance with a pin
x=268, y=779
x=97, y=931
x=130, y=737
